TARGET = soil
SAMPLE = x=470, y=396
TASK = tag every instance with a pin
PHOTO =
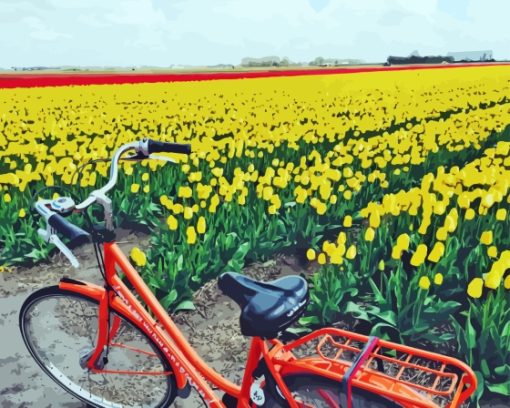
x=212, y=329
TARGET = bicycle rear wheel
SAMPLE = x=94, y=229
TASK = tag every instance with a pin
x=59, y=327
x=319, y=392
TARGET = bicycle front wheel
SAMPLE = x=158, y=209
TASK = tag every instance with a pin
x=319, y=392
x=60, y=328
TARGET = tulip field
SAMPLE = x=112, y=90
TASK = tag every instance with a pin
x=396, y=185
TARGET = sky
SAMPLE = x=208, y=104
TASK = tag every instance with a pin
x=208, y=32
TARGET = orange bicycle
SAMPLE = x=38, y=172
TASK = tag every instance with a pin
x=115, y=345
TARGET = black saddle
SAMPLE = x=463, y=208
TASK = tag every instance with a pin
x=266, y=307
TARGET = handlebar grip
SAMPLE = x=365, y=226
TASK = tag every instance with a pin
x=75, y=234
x=155, y=146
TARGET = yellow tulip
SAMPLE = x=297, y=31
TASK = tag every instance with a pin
x=321, y=208
x=486, y=238
x=336, y=257
x=138, y=256
x=184, y=192
x=403, y=241
x=419, y=256
x=177, y=208
x=188, y=213
x=191, y=235
x=501, y=214
x=172, y=222
x=437, y=252
x=22, y=213
x=492, y=251
x=438, y=279
x=442, y=234
x=470, y=214
x=321, y=258
x=463, y=201
x=487, y=200
x=492, y=280
x=424, y=283
x=135, y=188
x=347, y=221
x=267, y=193
x=7, y=198
x=351, y=252
x=507, y=282
x=310, y=254
x=475, y=288
x=342, y=238
x=369, y=234
x=328, y=247
x=375, y=219
x=201, y=225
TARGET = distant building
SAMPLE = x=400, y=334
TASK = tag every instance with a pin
x=416, y=59
x=471, y=56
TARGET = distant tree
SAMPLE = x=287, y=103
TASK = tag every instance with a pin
x=317, y=61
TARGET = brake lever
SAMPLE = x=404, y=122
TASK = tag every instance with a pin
x=55, y=240
x=141, y=156
x=167, y=159
x=134, y=157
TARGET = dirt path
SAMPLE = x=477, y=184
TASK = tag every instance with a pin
x=212, y=329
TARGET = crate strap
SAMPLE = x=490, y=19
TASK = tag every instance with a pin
x=346, y=387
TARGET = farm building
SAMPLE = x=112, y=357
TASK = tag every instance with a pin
x=471, y=55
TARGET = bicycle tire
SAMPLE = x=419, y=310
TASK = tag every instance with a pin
x=59, y=326
x=320, y=392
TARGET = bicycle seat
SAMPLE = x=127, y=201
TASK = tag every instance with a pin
x=266, y=307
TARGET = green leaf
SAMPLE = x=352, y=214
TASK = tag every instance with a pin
x=503, y=370
x=298, y=330
x=241, y=252
x=485, y=368
x=470, y=334
x=481, y=385
x=388, y=316
x=501, y=388
x=506, y=330
x=308, y=320
x=167, y=301
x=357, y=311
x=185, y=305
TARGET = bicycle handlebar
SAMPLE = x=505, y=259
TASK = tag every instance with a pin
x=72, y=232
x=55, y=222
x=155, y=146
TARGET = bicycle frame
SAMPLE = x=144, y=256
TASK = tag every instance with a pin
x=188, y=367
x=186, y=363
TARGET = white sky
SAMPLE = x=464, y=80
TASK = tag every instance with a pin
x=207, y=32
